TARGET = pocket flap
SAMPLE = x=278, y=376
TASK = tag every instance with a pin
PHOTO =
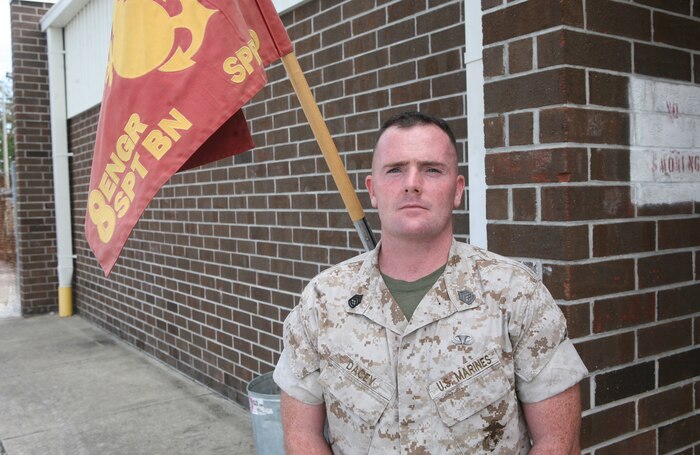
x=356, y=387
x=468, y=389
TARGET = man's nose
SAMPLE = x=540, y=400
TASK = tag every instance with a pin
x=414, y=182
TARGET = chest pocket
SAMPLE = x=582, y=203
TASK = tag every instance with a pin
x=470, y=388
x=357, y=388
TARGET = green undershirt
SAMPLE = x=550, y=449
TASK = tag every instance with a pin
x=408, y=294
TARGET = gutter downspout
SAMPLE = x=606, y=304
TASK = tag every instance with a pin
x=61, y=175
x=475, y=122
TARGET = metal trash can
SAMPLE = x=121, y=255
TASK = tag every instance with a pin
x=264, y=403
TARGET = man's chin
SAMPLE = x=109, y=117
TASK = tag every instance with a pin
x=424, y=232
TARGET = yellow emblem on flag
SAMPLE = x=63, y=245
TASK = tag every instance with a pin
x=143, y=37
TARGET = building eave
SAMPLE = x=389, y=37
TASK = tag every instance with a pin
x=61, y=13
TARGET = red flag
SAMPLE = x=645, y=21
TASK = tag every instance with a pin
x=179, y=72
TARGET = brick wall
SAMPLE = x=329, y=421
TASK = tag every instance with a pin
x=559, y=196
x=221, y=255
x=36, y=231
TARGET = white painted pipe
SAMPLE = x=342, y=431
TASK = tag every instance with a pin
x=475, y=122
x=61, y=175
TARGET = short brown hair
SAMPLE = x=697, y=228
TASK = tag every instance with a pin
x=413, y=118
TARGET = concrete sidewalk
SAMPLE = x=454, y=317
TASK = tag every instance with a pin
x=67, y=387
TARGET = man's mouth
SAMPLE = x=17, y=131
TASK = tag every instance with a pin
x=412, y=206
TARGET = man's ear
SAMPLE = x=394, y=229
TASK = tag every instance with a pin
x=459, y=191
x=370, y=188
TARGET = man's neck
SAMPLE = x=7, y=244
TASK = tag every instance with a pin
x=410, y=260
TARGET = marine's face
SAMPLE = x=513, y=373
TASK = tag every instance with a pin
x=414, y=183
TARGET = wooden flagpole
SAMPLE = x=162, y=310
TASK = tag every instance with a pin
x=329, y=150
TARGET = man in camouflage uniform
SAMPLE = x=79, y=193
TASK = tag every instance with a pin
x=427, y=345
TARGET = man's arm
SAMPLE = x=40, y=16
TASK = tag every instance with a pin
x=555, y=423
x=303, y=427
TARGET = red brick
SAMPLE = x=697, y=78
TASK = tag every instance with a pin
x=620, y=312
x=578, y=320
x=664, y=337
x=440, y=63
x=525, y=205
x=395, y=33
x=569, y=203
x=608, y=424
x=679, y=434
x=676, y=31
x=585, y=387
x=618, y=19
x=528, y=17
x=625, y=382
x=493, y=132
x=665, y=269
x=520, y=129
x=679, y=233
x=448, y=84
x=577, y=281
x=520, y=56
x=488, y=4
x=539, y=241
x=409, y=50
x=493, y=61
x=584, y=126
x=360, y=45
x=369, y=22
x=679, y=367
x=537, y=166
x=453, y=107
x=662, y=62
x=404, y=8
x=665, y=406
x=371, y=61
x=567, y=47
x=623, y=238
x=676, y=6
x=410, y=92
x=436, y=18
x=610, y=165
x=682, y=208
x=496, y=204
x=608, y=89
x=557, y=86
x=607, y=352
x=641, y=444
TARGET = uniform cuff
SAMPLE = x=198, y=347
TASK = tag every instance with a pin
x=306, y=390
x=565, y=369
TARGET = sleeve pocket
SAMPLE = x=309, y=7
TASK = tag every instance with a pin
x=459, y=395
x=366, y=398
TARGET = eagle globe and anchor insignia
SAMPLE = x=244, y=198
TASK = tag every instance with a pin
x=137, y=50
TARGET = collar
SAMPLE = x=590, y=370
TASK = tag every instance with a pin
x=457, y=289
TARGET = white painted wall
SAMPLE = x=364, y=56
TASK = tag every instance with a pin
x=665, y=141
x=87, y=37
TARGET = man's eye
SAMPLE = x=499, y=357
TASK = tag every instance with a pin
x=435, y=170
x=393, y=170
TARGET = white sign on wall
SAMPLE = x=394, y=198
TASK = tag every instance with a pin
x=664, y=142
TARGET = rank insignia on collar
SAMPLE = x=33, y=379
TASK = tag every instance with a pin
x=467, y=297
x=354, y=300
